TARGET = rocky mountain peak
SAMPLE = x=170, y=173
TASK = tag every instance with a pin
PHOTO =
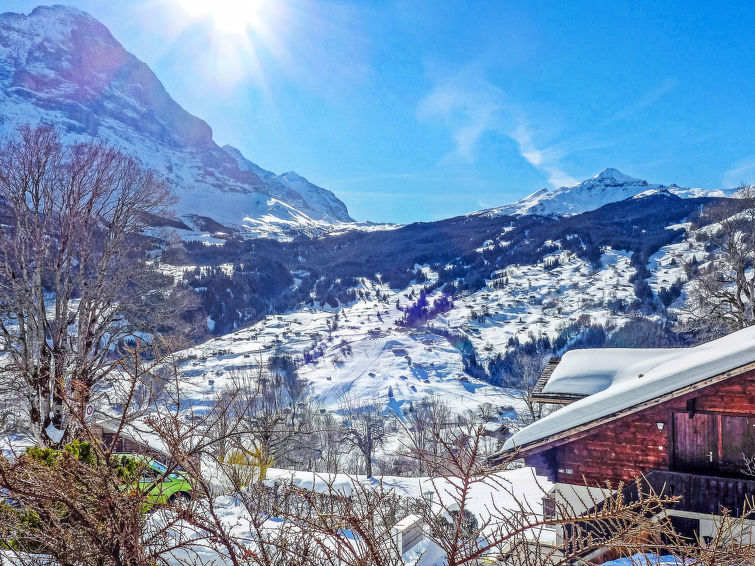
x=610, y=185
x=614, y=176
x=60, y=65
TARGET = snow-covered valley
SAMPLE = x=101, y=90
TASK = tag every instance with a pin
x=360, y=349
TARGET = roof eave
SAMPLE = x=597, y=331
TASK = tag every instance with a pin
x=556, y=398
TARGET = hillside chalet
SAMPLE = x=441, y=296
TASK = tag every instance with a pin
x=684, y=418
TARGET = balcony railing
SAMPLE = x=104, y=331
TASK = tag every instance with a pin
x=704, y=495
x=699, y=494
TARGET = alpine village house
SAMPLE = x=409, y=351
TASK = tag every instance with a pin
x=679, y=419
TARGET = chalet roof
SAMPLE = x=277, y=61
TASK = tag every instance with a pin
x=586, y=372
x=557, y=395
x=618, y=380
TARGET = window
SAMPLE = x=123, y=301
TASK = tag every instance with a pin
x=549, y=508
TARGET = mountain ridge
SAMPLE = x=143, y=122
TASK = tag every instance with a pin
x=62, y=66
x=610, y=185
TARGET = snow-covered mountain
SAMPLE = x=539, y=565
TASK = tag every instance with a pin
x=610, y=185
x=60, y=65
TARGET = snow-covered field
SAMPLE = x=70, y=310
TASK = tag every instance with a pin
x=362, y=354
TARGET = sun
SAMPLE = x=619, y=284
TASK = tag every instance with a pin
x=242, y=38
x=230, y=16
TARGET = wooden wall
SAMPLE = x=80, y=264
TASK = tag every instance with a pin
x=623, y=449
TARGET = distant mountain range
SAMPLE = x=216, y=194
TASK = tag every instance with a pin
x=610, y=185
x=60, y=65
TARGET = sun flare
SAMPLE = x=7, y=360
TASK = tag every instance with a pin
x=230, y=16
x=241, y=37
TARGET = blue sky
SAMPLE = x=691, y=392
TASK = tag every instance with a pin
x=420, y=110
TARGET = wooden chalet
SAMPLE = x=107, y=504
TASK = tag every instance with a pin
x=135, y=438
x=128, y=439
x=684, y=418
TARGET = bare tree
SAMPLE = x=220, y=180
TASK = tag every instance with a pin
x=79, y=506
x=273, y=402
x=364, y=428
x=72, y=260
x=425, y=424
x=530, y=367
x=724, y=291
x=86, y=505
x=328, y=431
x=343, y=524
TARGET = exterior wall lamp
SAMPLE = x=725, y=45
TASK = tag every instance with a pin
x=659, y=425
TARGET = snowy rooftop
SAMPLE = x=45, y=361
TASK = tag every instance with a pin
x=586, y=372
x=616, y=379
x=507, y=489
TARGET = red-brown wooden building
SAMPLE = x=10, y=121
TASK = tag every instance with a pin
x=684, y=418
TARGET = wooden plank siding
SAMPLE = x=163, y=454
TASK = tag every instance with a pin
x=623, y=449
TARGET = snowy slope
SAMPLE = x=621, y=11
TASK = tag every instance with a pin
x=366, y=357
x=395, y=366
x=61, y=66
x=610, y=185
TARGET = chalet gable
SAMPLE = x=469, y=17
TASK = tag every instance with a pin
x=679, y=421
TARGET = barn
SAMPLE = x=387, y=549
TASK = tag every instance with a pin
x=682, y=418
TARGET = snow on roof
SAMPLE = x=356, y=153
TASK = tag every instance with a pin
x=620, y=378
x=586, y=372
x=135, y=430
x=508, y=488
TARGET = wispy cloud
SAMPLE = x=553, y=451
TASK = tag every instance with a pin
x=742, y=171
x=545, y=159
x=647, y=100
x=469, y=106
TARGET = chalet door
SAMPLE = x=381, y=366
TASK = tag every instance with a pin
x=737, y=442
x=695, y=442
